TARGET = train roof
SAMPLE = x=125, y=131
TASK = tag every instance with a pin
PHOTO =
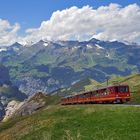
x=94, y=90
x=109, y=87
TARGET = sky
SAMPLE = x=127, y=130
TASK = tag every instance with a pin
x=31, y=20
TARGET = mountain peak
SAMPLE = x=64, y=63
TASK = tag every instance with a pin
x=41, y=41
x=94, y=40
x=16, y=44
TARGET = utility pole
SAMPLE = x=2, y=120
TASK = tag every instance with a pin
x=107, y=78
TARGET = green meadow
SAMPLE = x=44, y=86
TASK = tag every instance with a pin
x=76, y=122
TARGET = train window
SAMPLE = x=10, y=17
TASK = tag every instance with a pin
x=116, y=89
x=112, y=90
x=88, y=95
x=97, y=94
x=93, y=93
x=122, y=89
x=81, y=96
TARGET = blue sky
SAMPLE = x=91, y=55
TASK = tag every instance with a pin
x=31, y=20
x=30, y=13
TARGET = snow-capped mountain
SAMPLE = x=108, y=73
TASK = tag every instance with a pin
x=47, y=65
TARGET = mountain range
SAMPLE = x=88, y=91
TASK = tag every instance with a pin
x=48, y=66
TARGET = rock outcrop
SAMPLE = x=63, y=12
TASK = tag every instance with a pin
x=11, y=108
x=18, y=109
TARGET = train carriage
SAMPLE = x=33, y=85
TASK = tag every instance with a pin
x=111, y=94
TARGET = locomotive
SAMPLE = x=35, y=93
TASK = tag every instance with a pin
x=109, y=94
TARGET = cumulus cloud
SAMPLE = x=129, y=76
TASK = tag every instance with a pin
x=8, y=32
x=111, y=22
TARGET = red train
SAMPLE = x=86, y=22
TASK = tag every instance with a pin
x=111, y=94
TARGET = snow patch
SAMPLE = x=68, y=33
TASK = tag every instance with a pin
x=75, y=47
x=97, y=53
x=3, y=49
x=89, y=46
x=45, y=44
x=108, y=55
x=75, y=82
x=16, y=49
x=99, y=47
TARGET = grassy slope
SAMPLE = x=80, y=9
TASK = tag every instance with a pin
x=79, y=122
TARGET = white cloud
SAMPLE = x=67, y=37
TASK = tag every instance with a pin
x=8, y=32
x=112, y=22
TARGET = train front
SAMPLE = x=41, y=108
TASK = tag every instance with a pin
x=122, y=93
